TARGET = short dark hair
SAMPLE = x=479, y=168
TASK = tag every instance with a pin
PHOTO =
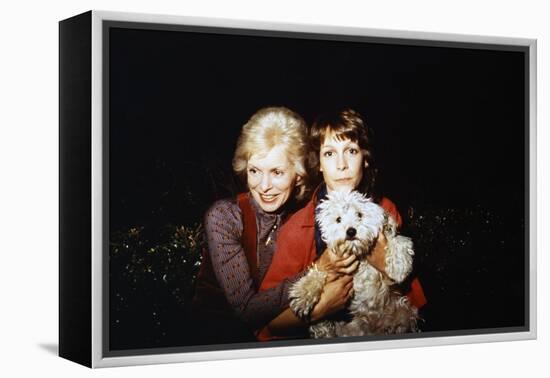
x=345, y=124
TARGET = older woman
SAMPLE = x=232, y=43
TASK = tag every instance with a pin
x=241, y=232
x=341, y=151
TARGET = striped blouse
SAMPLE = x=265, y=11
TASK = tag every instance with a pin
x=224, y=228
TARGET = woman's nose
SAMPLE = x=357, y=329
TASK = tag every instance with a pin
x=341, y=162
x=265, y=184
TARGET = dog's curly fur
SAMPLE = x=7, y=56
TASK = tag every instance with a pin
x=350, y=222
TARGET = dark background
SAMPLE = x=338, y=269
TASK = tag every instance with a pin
x=450, y=134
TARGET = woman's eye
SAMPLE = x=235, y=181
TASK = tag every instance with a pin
x=278, y=172
x=338, y=220
x=359, y=215
x=252, y=171
x=353, y=151
x=327, y=154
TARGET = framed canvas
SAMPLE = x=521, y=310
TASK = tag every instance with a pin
x=150, y=111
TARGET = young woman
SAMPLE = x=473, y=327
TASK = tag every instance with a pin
x=341, y=152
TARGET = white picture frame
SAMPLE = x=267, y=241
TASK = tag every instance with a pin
x=84, y=234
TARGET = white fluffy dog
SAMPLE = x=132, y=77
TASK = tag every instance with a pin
x=350, y=222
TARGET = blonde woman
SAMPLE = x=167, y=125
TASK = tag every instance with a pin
x=242, y=232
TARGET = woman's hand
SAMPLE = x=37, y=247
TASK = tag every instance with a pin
x=337, y=291
x=329, y=262
x=377, y=258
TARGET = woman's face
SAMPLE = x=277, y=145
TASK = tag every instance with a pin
x=342, y=163
x=271, y=178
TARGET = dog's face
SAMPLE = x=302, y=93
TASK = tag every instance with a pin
x=349, y=222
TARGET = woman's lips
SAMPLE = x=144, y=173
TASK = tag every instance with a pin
x=268, y=197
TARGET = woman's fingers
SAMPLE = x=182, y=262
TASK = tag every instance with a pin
x=347, y=264
x=346, y=281
x=346, y=260
x=377, y=258
x=350, y=269
x=336, y=294
x=330, y=262
x=347, y=291
x=326, y=262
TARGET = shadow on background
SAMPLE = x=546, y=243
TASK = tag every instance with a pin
x=51, y=348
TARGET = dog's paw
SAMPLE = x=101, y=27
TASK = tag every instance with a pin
x=323, y=330
x=404, y=317
x=305, y=293
x=399, y=257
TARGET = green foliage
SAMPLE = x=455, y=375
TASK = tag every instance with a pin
x=171, y=256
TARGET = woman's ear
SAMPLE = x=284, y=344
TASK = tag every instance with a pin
x=299, y=179
x=366, y=164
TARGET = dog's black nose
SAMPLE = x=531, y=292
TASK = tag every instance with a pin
x=350, y=232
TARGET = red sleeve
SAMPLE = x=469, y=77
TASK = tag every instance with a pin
x=416, y=294
x=391, y=209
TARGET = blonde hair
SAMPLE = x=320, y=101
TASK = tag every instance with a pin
x=268, y=128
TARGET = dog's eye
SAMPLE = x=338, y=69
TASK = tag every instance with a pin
x=359, y=215
x=338, y=220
